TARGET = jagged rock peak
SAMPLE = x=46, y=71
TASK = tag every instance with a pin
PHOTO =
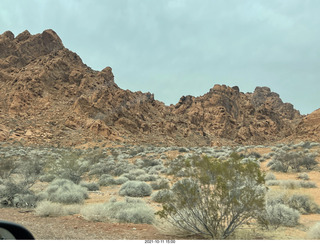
x=27, y=44
x=7, y=35
x=47, y=35
x=263, y=96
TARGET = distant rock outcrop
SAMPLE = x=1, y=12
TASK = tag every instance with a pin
x=49, y=97
x=309, y=127
x=225, y=112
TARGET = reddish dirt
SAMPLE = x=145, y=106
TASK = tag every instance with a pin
x=76, y=228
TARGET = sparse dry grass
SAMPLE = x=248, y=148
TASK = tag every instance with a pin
x=248, y=232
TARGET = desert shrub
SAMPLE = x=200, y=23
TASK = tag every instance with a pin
x=303, y=203
x=270, y=176
x=91, y=186
x=16, y=194
x=18, y=173
x=137, y=172
x=106, y=180
x=95, y=212
x=303, y=176
x=314, y=144
x=129, y=211
x=53, y=209
x=47, y=208
x=216, y=197
x=276, y=215
x=160, y=184
x=183, y=149
x=25, y=200
x=135, y=151
x=121, y=180
x=273, y=182
x=146, y=177
x=135, y=189
x=283, y=161
x=47, y=177
x=100, y=168
x=174, y=166
x=305, y=145
x=110, y=166
x=276, y=197
x=68, y=166
x=314, y=232
x=129, y=176
x=278, y=166
x=72, y=209
x=308, y=184
x=122, y=167
x=295, y=184
x=254, y=154
x=161, y=196
x=66, y=192
x=147, y=163
x=155, y=170
x=290, y=184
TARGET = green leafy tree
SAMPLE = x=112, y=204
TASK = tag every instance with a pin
x=215, y=197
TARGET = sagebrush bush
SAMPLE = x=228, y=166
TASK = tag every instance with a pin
x=155, y=170
x=13, y=194
x=25, y=200
x=137, y=172
x=65, y=191
x=47, y=208
x=129, y=211
x=95, y=212
x=160, y=184
x=161, y=196
x=308, y=184
x=278, y=166
x=147, y=163
x=47, y=177
x=53, y=209
x=283, y=161
x=273, y=182
x=129, y=176
x=146, y=177
x=106, y=180
x=290, y=184
x=270, y=176
x=276, y=197
x=91, y=186
x=135, y=189
x=303, y=176
x=314, y=232
x=278, y=215
x=121, y=180
x=295, y=184
x=303, y=203
x=110, y=166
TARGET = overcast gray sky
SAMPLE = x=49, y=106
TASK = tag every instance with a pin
x=183, y=47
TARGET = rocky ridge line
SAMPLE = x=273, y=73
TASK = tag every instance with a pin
x=48, y=96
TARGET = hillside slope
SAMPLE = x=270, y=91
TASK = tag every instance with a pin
x=48, y=96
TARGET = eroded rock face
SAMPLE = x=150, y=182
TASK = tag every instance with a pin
x=309, y=127
x=48, y=96
x=225, y=112
x=263, y=96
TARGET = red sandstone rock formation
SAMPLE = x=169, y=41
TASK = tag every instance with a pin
x=48, y=96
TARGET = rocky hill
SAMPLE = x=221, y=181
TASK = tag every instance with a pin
x=309, y=127
x=48, y=96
